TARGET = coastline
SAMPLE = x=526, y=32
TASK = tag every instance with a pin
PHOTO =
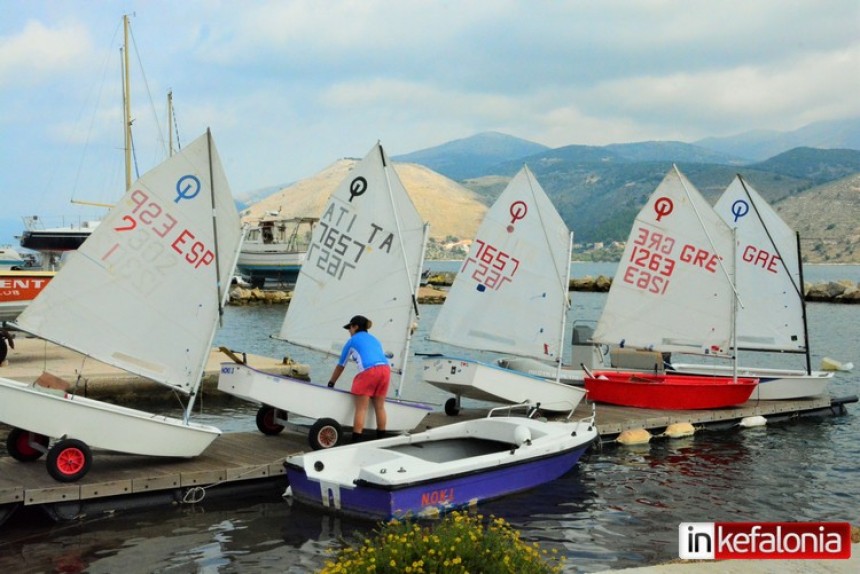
x=842, y=291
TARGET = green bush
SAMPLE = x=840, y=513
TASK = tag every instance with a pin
x=459, y=542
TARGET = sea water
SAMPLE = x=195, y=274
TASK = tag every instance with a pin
x=620, y=507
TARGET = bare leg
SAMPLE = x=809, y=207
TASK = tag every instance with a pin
x=381, y=417
x=361, y=403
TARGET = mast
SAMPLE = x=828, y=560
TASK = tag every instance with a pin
x=169, y=125
x=413, y=284
x=126, y=103
x=221, y=291
x=565, y=307
x=803, y=306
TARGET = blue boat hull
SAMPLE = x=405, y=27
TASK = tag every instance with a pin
x=428, y=498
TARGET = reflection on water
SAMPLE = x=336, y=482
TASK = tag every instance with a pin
x=619, y=508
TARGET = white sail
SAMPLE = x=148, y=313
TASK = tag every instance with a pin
x=672, y=290
x=512, y=289
x=365, y=258
x=768, y=272
x=144, y=292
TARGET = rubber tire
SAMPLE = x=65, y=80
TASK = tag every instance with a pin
x=266, y=421
x=18, y=448
x=451, y=408
x=69, y=460
x=325, y=433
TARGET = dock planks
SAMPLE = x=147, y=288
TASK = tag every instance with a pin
x=251, y=457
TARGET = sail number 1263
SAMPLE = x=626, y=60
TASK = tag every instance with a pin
x=649, y=265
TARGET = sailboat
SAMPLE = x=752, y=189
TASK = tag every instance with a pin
x=365, y=258
x=770, y=280
x=509, y=296
x=144, y=294
x=673, y=291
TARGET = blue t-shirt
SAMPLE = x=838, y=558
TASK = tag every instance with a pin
x=364, y=349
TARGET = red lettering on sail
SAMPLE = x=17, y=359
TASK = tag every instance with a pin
x=761, y=258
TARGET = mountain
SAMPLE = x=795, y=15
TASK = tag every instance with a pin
x=451, y=209
x=598, y=193
x=828, y=220
x=760, y=145
x=256, y=195
x=472, y=156
x=816, y=165
x=598, y=190
x=673, y=151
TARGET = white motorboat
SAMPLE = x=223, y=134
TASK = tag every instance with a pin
x=441, y=469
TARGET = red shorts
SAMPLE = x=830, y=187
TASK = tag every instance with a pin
x=372, y=382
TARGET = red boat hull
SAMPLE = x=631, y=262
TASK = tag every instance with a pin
x=667, y=392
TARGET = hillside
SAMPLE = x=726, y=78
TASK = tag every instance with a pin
x=451, y=209
x=599, y=189
x=828, y=220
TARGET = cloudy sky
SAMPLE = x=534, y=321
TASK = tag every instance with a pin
x=289, y=86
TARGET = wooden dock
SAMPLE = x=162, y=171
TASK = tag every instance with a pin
x=253, y=461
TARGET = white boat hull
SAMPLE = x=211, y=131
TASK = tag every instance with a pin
x=250, y=261
x=100, y=425
x=485, y=382
x=535, y=368
x=774, y=384
x=312, y=401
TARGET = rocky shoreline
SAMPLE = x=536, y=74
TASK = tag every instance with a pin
x=843, y=291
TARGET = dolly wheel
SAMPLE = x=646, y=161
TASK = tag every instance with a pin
x=451, y=408
x=24, y=445
x=266, y=420
x=69, y=460
x=325, y=433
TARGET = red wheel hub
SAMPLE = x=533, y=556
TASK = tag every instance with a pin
x=23, y=445
x=71, y=461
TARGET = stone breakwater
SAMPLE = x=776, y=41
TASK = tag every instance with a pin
x=827, y=292
x=241, y=296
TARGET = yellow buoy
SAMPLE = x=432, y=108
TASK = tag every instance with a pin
x=634, y=436
x=678, y=430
